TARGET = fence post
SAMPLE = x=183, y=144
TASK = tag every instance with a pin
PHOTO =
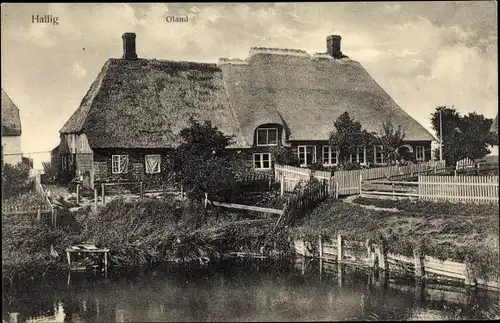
x=54, y=222
x=336, y=190
x=95, y=198
x=320, y=246
x=103, y=196
x=206, y=199
x=77, y=193
x=368, y=250
x=13, y=317
x=142, y=191
x=419, y=265
x=469, y=277
x=38, y=214
x=340, y=251
x=282, y=184
x=182, y=192
x=380, y=250
x=360, y=184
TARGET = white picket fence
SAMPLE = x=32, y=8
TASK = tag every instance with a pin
x=481, y=189
x=349, y=181
x=465, y=163
x=290, y=176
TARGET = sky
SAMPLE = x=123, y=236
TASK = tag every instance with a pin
x=424, y=54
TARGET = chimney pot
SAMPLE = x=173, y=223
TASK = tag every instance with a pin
x=129, y=46
x=333, y=46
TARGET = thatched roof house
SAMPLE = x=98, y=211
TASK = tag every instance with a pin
x=144, y=103
x=11, y=122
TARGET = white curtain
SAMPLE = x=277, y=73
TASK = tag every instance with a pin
x=152, y=164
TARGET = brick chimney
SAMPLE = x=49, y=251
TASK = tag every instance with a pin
x=129, y=46
x=333, y=46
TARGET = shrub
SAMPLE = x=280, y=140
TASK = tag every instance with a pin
x=284, y=156
x=15, y=180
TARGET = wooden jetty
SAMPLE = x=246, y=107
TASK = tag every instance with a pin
x=86, y=248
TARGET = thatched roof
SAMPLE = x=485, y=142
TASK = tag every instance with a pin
x=11, y=122
x=494, y=126
x=145, y=103
x=309, y=94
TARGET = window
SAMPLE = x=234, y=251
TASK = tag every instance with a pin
x=379, y=155
x=330, y=157
x=262, y=160
x=267, y=137
x=152, y=164
x=307, y=155
x=119, y=164
x=420, y=153
x=359, y=157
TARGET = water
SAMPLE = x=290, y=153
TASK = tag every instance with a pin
x=244, y=290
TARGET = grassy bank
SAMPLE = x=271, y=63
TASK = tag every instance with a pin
x=141, y=233
x=466, y=233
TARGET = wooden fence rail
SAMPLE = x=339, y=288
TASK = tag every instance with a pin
x=422, y=266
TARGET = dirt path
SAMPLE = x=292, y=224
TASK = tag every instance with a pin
x=350, y=200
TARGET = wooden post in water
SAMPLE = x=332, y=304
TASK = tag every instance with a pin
x=379, y=250
x=320, y=247
x=77, y=193
x=368, y=250
x=340, y=250
x=340, y=274
x=419, y=265
x=320, y=269
x=106, y=264
x=68, y=254
x=13, y=317
x=103, y=196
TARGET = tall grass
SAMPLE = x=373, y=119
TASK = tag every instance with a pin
x=141, y=233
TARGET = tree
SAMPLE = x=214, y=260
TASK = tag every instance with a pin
x=349, y=136
x=463, y=136
x=284, y=156
x=201, y=162
x=390, y=139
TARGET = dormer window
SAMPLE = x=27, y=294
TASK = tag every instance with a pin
x=267, y=136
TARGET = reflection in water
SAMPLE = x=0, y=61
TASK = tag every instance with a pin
x=243, y=290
